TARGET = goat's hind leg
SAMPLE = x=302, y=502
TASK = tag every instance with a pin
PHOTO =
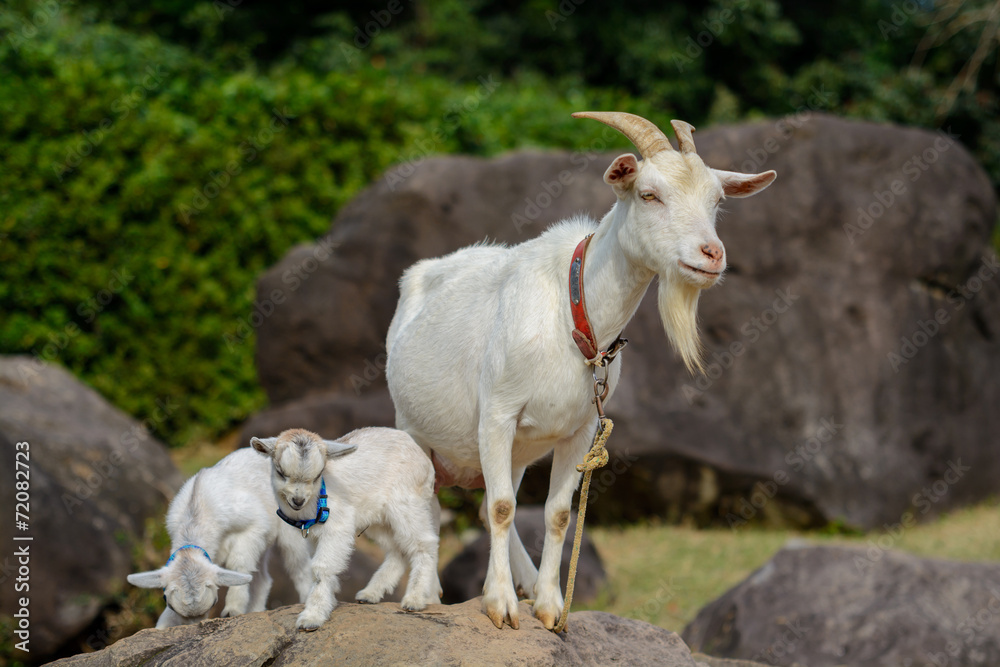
x=522, y=568
x=414, y=532
x=388, y=574
x=260, y=587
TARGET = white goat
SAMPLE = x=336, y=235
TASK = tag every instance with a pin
x=482, y=365
x=385, y=489
x=222, y=524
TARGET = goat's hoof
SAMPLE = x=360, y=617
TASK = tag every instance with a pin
x=307, y=622
x=413, y=604
x=502, y=610
x=364, y=597
x=548, y=612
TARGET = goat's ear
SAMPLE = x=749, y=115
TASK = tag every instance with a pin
x=265, y=446
x=224, y=577
x=335, y=449
x=743, y=185
x=622, y=172
x=151, y=579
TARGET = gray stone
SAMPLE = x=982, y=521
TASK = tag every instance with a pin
x=852, y=403
x=865, y=607
x=96, y=475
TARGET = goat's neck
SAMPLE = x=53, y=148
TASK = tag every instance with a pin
x=198, y=526
x=613, y=284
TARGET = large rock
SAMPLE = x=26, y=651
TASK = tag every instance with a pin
x=463, y=577
x=827, y=606
x=383, y=634
x=853, y=347
x=96, y=475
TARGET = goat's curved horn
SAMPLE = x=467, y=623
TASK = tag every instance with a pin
x=685, y=142
x=648, y=138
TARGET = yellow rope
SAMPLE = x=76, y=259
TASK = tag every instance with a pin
x=597, y=457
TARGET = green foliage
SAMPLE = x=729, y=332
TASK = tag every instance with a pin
x=144, y=190
x=157, y=156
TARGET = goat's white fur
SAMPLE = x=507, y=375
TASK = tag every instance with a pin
x=384, y=487
x=482, y=367
x=226, y=511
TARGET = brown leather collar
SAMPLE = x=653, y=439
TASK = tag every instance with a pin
x=583, y=333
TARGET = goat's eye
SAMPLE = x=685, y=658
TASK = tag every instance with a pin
x=280, y=474
x=649, y=196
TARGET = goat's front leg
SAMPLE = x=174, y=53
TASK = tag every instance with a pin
x=562, y=484
x=333, y=551
x=495, y=448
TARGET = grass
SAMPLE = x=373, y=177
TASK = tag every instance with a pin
x=665, y=574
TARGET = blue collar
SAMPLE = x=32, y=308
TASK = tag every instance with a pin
x=188, y=546
x=322, y=513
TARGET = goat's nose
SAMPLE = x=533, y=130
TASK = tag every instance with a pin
x=713, y=251
x=297, y=502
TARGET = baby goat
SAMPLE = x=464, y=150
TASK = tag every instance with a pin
x=222, y=525
x=385, y=489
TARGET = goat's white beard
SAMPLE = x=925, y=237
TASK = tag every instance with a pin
x=678, y=303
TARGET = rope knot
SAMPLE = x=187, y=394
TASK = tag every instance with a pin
x=597, y=457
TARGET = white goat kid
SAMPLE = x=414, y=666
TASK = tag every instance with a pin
x=222, y=526
x=384, y=489
x=482, y=367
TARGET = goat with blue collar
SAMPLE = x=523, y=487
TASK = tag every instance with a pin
x=222, y=526
x=384, y=488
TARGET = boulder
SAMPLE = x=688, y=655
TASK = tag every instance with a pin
x=383, y=634
x=96, y=475
x=463, y=577
x=865, y=607
x=852, y=349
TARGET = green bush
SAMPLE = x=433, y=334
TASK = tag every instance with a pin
x=157, y=156
x=144, y=190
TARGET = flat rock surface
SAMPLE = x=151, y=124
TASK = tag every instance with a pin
x=383, y=634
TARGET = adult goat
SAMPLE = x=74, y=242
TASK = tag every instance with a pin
x=485, y=365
